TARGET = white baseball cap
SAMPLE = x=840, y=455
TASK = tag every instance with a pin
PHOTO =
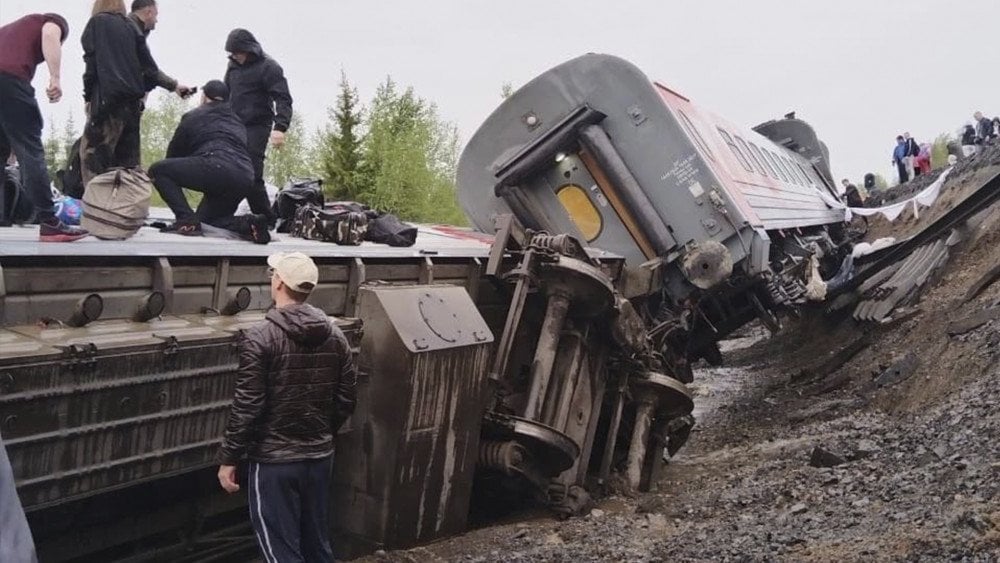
x=296, y=270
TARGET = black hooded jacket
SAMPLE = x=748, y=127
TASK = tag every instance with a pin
x=119, y=67
x=257, y=89
x=294, y=389
x=212, y=130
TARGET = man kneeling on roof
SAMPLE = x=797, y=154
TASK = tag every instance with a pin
x=208, y=154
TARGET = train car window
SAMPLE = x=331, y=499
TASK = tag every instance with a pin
x=581, y=210
x=760, y=154
x=798, y=173
x=692, y=132
x=736, y=150
x=809, y=180
x=774, y=161
x=811, y=175
x=791, y=172
x=753, y=157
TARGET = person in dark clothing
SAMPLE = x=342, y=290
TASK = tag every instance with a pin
x=25, y=44
x=294, y=389
x=260, y=97
x=144, y=15
x=208, y=154
x=899, y=159
x=870, y=184
x=984, y=128
x=119, y=72
x=852, y=194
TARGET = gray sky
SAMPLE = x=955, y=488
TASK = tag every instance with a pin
x=861, y=71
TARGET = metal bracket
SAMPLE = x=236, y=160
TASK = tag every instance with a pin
x=356, y=278
x=426, y=272
x=163, y=282
x=220, y=295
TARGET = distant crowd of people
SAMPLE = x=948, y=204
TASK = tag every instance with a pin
x=913, y=159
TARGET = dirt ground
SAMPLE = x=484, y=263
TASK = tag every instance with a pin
x=798, y=458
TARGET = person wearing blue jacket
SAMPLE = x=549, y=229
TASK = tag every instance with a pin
x=899, y=155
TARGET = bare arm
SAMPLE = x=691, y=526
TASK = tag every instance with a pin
x=52, y=51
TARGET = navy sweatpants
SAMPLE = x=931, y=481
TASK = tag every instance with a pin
x=290, y=510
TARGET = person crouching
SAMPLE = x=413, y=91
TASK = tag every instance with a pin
x=208, y=154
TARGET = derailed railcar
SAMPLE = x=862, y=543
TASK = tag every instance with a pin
x=718, y=224
x=117, y=367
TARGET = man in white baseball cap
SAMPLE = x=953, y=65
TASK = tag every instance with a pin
x=295, y=387
x=294, y=271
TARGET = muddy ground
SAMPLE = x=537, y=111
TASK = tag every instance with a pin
x=804, y=452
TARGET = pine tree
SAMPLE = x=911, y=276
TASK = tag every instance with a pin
x=342, y=144
x=53, y=151
x=295, y=159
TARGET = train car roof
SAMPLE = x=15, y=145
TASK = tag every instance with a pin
x=442, y=241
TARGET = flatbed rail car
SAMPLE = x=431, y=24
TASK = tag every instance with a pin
x=718, y=224
x=117, y=367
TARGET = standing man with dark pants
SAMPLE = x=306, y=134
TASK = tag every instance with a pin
x=208, y=154
x=24, y=44
x=119, y=68
x=260, y=97
x=295, y=387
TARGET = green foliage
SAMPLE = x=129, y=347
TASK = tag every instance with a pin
x=159, y=122
x=295, y=159
x=53, y=151
x=57, y=146
x=409, y=158
x=939, y=151
x=341, y=144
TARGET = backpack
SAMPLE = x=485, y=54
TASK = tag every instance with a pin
x=340, y=227
x=292, y=198
x=15, y=205
x=388, y=229
x=116, y=203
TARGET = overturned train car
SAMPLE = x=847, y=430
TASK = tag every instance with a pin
x=629, y=231
x=718, y=224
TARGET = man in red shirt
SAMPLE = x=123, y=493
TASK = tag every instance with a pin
x=25, y=44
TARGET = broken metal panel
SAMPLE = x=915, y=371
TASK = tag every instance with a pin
x=403, y=473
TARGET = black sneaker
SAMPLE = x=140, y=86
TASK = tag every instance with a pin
x=259, y=229
x=55, y=230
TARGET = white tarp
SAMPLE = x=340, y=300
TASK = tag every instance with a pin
x=925, y=198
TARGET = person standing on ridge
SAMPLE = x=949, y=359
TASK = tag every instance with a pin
x=899, y=159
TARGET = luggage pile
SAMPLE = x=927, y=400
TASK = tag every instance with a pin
x=303, y=212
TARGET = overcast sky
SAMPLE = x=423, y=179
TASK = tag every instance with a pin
x=861, y=71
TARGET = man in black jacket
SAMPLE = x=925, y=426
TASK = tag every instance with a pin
x=208, y=154
x=295, y=387
x=118, y=69
x=144, y=16
x=260, y=97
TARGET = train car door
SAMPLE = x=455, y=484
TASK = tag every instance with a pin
x=592, y=210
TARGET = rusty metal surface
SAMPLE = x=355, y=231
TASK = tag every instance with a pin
x=403, y=473
x=115, y=403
